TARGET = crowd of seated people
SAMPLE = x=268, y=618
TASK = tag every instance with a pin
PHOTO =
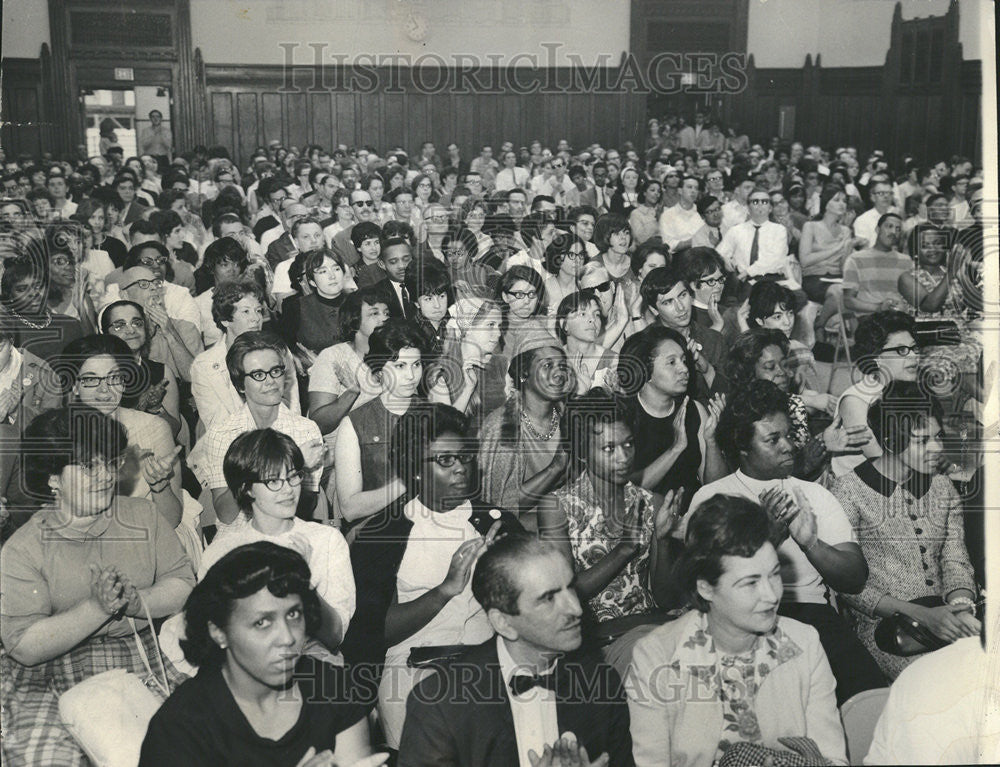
x=451, y=458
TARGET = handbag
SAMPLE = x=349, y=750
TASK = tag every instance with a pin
x=901, y=635
x=108, y=714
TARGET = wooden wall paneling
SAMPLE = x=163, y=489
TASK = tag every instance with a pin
x=271, y=124
x=344, y=124
x=393, y=122
x=370, y=113
x=442, y=123
x=321, y=119
x=418, y=122
x=581, y=119
x=222, y=119
x=511, y=124
x=298, y=120
x=247, y=124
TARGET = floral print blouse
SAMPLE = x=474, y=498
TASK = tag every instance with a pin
x=591, y=540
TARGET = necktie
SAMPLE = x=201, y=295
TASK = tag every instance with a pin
x=755, y=245
x=714, y=236
x=405, y=296
x=521, y=683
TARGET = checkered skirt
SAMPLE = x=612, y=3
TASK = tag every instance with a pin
x=33, y=733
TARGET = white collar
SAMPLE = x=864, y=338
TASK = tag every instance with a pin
x=510, y=668
x=422, y=516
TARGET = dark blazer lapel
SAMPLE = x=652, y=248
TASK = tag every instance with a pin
x=490, y=726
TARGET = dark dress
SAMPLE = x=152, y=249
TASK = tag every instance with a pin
x=201, y=723
x=149, y=374
x=654, y=436
x=312, y=321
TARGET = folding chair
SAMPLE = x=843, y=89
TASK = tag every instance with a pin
x=859, y=716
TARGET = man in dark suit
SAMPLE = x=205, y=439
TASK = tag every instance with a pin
x=508, y=701
x=395, y=256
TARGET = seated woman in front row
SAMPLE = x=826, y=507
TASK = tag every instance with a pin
x=257, y=700
x=74, y=577
x=731, y=673
x=413, y=561
x=616, y=533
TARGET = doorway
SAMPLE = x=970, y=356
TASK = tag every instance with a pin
x=118, y=116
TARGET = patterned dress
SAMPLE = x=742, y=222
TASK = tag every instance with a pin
x=591, y=540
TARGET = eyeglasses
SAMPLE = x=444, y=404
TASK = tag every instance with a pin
x=274, y=484
x=521, y=295
x=119, y=325
x=278, y=371
x=92, y=382
x=576, y=256
x=712, y=282
x=153, y=260
x=63, y=261
x=557, y=165
x=901, y=351
x=145, y=284
x=447, y=460
x=363, y=204
x=92, y=467
x=759, y=202
x=439, y=218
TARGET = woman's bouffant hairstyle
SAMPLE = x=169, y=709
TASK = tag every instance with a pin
x=413, y=434
x=766, y=296
x=582, y=417
x=723, y=526
x=607, y=225
x=903, y=407
x=240, y=574
x=743, y=409
x=255, y=455
x=741, y=359
x=635, y=362
x=386, y=342
x=66, y=436
x=872, y=333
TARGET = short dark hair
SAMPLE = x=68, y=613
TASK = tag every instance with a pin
x=314, y=260
x=365, y=230
x=520, y=273
x=607, y=225
x=557, y=250
x=66, y=436
x=765, y=298
x=495, y=583
x=349, y=314
x=426, y=277
x=872, y=333
x=416, y=429
x=644, y=251
x=256, y=455
x=741, y=359
x=67, y=365
x=723, y=526
x=695, y=263
x=227, y=295
x=386, y=342
x=744, y=408
x=635, y=362
x=659, y=282
x=132, y=259
x=570, y=303
x=224, y=249
x=245, y=343
x=241, y=573
x=903, y=407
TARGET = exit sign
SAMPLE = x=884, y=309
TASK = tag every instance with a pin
x=124, y=73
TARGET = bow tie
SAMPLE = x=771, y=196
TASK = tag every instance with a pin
x=522, y=683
